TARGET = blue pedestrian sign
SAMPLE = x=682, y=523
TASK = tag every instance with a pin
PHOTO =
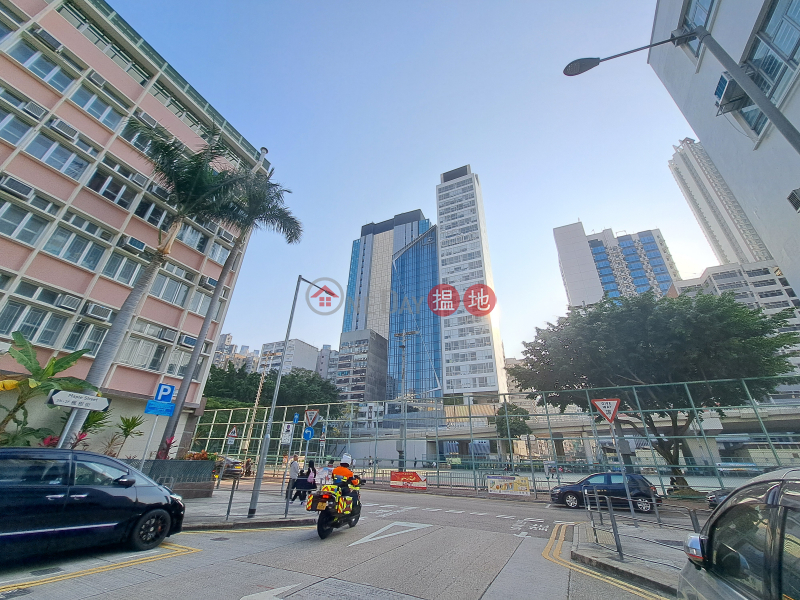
x=164, y=393
x=308, y=433
x=296, y=417
x=161, y=409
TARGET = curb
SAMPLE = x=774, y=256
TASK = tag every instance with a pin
x=630, y=574
x=254, y=524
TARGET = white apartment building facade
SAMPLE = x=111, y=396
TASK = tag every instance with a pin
x=759, y=166
x=601, y=264
x=464, y=261
x=724, y=223
x=299, y=355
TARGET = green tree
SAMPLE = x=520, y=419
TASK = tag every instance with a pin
x=40, y=380
x=198, y=184
x=129, y=427
x=257, y=203
x=508, y=411
x=644, y=340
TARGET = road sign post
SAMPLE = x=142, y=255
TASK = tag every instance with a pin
x=608, y=407
x=311, y=417
x=161, y=405
x=308, y=433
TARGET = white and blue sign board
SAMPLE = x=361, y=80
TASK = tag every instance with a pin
x=308, y=433
x=164, y=393
x=161, y=409
x=296, y=417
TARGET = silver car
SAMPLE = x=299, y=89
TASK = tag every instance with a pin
x=750, y=546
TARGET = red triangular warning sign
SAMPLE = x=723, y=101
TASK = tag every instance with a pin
x=233, y=433
x=607, y=407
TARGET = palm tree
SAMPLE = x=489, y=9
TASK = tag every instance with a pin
x=129, y=427
x=197, y=184
x=258, y=205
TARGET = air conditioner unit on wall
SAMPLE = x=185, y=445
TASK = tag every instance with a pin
x=187, y=341
x=208, y=282
x=35, y=110
x=47, y=39
x=226, y=235
x=64, y=128
x=67, y=301
x=16, y=187
x=131, y=244
x=139, y=179
x=794, y=199
x=730, y=96
x=97, y=311
x=168, y=335
x=159, y=191
x=145, y=118
x=96, y=78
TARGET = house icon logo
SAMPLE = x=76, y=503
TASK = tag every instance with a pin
x=321, y=297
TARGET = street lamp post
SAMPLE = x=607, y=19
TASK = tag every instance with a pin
x=778, y=119
x=404, y=399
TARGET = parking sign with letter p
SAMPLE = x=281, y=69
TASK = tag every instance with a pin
x=164, y=392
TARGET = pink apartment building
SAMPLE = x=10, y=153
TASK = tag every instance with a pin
x=78, y=208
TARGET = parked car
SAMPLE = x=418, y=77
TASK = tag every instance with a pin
x=750, y=545
x=608, y=484
x=717, y=497
x=51, y=499
x=233, y=467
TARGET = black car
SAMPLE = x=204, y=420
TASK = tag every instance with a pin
x=717, y=497
x=611, y=485
x=51, y=499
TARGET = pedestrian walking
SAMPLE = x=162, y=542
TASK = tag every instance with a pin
x=294, y=473
x=248, y=467
x=415, y=462
x=300, y=486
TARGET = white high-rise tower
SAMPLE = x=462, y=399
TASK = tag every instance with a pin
x=472, y=352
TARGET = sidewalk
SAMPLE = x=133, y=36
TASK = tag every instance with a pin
x=652, y=555
x=210, y=513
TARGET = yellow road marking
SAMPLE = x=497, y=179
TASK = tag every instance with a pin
x=175, y=550
x=554, y=555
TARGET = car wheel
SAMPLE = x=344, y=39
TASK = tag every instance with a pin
x=571, y=500
x=150, y=529
x=643, y=505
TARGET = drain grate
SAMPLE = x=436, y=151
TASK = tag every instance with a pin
x=221, y=539
x=47, y=571
x=670, y=543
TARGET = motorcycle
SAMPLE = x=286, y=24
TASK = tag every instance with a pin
x=335, y=506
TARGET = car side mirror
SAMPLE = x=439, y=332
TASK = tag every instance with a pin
x=125, y=481
x=694, y=548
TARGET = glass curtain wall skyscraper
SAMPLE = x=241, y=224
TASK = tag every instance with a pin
x=415, y=271
x=471, y=346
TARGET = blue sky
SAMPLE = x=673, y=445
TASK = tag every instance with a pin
x=363, y=104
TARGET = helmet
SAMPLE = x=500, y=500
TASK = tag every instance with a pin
x=346, y=458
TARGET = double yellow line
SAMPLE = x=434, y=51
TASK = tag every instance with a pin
x=173, y=550
x=552, y=552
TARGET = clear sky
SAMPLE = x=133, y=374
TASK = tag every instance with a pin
x=363, y=104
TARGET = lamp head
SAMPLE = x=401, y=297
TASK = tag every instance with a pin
x=581, y=65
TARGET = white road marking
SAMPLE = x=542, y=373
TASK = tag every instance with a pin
x=432, y=509
x=273, y=593
x=454, y=511
x=505, y=517
x=388, y=505
x=479, y=513
x=535, y=520
x=548, y=506
x=369, y=504
x=565, y=522
x=521, y=534
x=375, y=535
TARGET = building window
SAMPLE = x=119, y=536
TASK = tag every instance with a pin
x=774, y=57
x=770, y=294
x=97, y=107
x=41, y=66
x=142, y=354
x=12, y=128
x=153, y=214
x=200, y=303
x=20, y=224
x=4, y=31
x=87, y=226
x=193, y=238
x=697, y=14
x=95, y=35
x=58, y=156
x=178, y=360
x=116, y=190
x=169, y=290
x=74, y=248
x=218, y=253
x=85, y=336
x=30, y=321
x=122, y=268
